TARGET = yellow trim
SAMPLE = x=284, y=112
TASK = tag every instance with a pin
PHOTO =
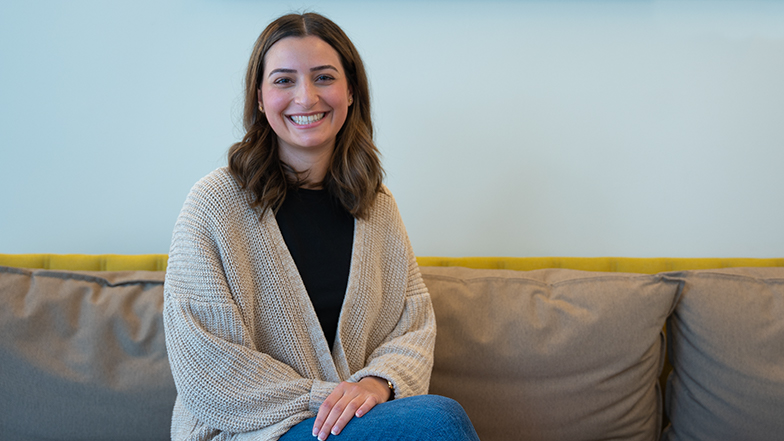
x=88, y=262
x=645, y=265
x=157, y=262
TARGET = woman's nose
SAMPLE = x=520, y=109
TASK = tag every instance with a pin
x=306, y=95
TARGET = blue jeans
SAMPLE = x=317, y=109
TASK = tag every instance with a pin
x=423, y=417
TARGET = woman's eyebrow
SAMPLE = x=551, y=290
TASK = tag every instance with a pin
x=326, y=66
x=281, y=70
x=312, y=69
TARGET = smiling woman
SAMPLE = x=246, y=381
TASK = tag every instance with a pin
x=281, y=85
x=293, y=303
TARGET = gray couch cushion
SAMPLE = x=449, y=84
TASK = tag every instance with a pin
x=727, y=350
x=551, y=354
x=83, y=356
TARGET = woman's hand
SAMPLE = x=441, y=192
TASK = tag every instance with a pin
x=347, y=401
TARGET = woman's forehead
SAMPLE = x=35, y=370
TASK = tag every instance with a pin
x=298, y=53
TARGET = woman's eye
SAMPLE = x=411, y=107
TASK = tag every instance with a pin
x=282, y=81
x=324, y=77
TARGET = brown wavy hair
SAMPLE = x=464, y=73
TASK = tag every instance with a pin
x=354, y=175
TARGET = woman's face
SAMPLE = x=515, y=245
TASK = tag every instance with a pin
x=305, y=95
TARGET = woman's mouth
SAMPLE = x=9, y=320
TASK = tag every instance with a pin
x=303, y=120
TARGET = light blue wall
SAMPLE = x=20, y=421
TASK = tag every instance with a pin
x=521, y=128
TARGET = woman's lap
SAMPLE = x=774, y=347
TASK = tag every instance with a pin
x=423, y=417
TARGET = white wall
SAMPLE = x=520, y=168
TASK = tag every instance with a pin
x=520, y=128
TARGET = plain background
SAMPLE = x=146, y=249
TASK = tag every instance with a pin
x=509, y=128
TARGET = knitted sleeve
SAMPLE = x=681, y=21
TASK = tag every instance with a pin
x=221, y=378
x=405, y=357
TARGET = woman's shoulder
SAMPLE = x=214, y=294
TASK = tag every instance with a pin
x=385, y=201
x=384, y=210
x=220, y=178
x=218, y=182
x=218, y=188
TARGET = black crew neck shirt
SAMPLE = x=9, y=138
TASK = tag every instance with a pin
x=319, y=233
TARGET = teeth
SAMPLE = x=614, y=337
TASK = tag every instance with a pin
x=302, y=120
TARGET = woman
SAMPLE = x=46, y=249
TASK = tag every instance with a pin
x=294, y=306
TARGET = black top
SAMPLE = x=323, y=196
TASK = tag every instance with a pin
x=319, y=234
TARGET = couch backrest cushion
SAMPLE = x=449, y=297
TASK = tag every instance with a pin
x=83, y=356
x=726, y=343
x=551, y=354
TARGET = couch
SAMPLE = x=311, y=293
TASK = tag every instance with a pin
x=533, y=348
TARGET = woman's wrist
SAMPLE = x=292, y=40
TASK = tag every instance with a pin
x=385, y=387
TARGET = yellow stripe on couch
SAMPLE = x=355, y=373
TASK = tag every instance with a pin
x=87, y=262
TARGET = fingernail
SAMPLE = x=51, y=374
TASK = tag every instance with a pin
x=335, y=431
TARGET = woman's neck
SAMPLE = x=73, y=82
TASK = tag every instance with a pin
x=310, y=166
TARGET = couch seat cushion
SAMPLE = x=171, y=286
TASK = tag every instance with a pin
x=551, y=354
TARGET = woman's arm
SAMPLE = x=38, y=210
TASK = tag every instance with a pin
x=225, y=382
x=405, y=358
x=222, y=377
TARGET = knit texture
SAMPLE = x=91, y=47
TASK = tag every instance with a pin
x=245, y=346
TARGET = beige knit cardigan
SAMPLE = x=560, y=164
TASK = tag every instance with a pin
x=247, y=352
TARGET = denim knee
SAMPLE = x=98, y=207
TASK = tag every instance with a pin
x=438, y=405
x=444, y=417
x=418, y=418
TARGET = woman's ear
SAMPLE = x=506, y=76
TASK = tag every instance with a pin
x=261, y=102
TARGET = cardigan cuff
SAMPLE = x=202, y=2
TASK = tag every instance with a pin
x=319, y=392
